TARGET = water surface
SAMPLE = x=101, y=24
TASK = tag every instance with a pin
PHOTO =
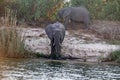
x=38, y=69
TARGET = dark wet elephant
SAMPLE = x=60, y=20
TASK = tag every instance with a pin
x=56, y=34
x=74, y=14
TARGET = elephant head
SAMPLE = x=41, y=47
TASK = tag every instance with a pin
x=64, y=15
x=56, y=34
x=74, y=14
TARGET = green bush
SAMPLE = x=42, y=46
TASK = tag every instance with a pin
x=30, y=10
x=100, y=9
x=41, y=55
x=115, y=55
x=111, y=41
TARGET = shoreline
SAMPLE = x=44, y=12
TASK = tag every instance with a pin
x=77, y=45
x=75, y=61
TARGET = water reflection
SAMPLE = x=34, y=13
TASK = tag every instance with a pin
x=55, y=64
x=36, y=69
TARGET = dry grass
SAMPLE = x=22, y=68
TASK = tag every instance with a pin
x=106, y=30
x=10, y=18
x=109, y=30
x=11, y=44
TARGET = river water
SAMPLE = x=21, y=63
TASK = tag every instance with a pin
x=39, y=69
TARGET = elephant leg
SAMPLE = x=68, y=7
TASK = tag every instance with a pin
x=86, y=26
x=58, y=56
x=66, y=22
x=52, y=56
x=53, y=53
x=86, y=23
x=73, y=24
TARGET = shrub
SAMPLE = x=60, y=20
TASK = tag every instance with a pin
x=30, y=10
x=41, y=55
x=11, y=44
x=112, y=33
x=100, y=9
x=9, y=18
x=115, y=55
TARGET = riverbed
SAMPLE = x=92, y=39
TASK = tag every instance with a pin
x=40, y=69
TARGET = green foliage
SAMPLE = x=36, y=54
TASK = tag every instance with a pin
x=11, y=44
x=101, y=9
x=115, y=41
x=112, y=10
x=116, y=56
x=32, y=10
x=37, y=9
x=41, y=55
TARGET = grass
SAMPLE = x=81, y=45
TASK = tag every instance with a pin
x=11, y=44
x=114, y=42
x=9, y=18
x=115, y=56
x=41, y=55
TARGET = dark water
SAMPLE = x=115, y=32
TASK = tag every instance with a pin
x=37, y=69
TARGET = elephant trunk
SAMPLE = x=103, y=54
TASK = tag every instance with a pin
x=56, y=46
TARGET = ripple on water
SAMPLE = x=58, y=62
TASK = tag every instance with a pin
x=47, y=70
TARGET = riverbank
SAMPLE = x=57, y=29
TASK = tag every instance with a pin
x=79, y=45
x=68, y=61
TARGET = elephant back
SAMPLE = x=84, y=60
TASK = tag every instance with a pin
x=55, y=27
x=60, y=28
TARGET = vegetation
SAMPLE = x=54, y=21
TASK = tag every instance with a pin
x=115, y=41
x=110, y=33
x=101, y=9
x=115, y=55
x=11, y=43
x=37, y=9
x=41, y=55
x=13, y=11
x=29, y=10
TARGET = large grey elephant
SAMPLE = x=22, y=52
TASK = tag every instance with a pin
x=74, y=14
x=56, y=34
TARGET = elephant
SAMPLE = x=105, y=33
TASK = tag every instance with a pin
x=74, y=14
x=56, y=34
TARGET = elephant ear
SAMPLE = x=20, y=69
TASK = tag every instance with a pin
x=48, y=31
x=67, y=12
